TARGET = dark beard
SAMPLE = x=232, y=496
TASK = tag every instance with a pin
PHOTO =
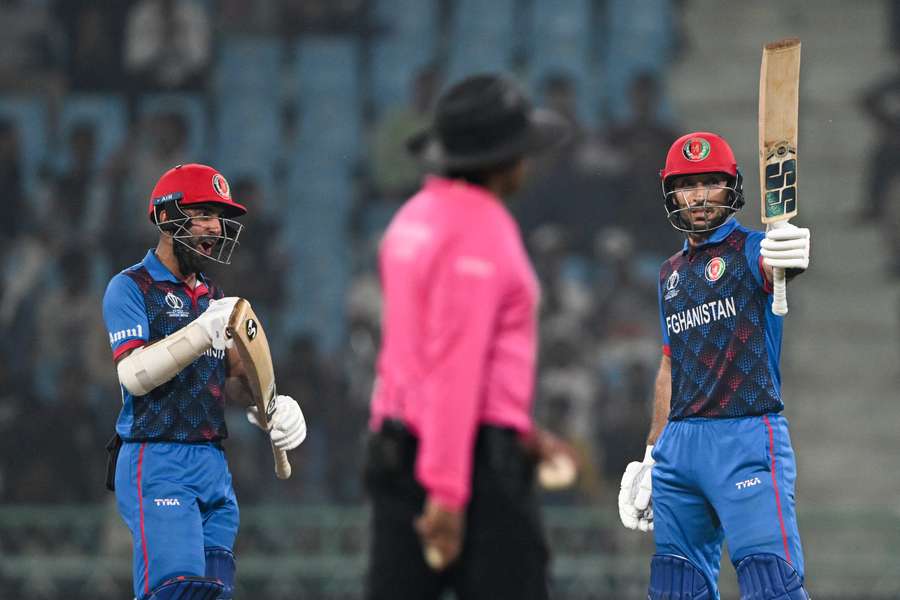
x=189, y=261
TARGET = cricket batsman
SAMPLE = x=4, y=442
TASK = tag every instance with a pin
x=719, y=463
x=166, y=324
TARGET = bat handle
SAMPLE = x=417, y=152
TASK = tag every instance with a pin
x=779, y=300
x=282, y=465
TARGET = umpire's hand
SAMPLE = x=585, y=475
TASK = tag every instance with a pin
x=441, y=532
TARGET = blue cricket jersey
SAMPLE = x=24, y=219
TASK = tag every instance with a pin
x=719, y=329
x=143, y=304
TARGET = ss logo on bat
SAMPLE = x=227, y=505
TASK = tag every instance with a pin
x=781, y=180
x=251, y=328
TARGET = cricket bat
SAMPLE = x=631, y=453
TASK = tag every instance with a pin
x=779, y=94
x=251, y=343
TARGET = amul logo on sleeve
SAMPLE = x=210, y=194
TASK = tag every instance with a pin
x=715, y=268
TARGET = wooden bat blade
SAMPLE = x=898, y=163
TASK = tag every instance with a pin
x=779, y=105
x=779, y=95
x=253, y=346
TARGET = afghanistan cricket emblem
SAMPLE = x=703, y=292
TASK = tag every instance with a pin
x=695, y=149
x=715, y=268
x=220, y=184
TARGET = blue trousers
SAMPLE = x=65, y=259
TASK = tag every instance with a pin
x=178, y=500
x=725, y=479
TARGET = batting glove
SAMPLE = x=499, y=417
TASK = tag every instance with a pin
x=214, y=320
x=287, y=426
x=635, y=508
x=786, y=246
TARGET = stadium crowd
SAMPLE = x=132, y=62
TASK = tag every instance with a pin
x=147, y=76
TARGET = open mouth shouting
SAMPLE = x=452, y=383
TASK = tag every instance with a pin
x=205, y=246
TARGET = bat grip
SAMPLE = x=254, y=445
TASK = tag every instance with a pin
x=282, y=466
x=779, y=300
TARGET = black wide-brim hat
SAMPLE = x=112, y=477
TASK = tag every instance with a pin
x=483, y=121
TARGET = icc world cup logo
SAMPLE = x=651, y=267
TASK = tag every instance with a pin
x=252, y=329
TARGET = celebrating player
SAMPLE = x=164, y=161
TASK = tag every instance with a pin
x=166, y=324
x=722, y=467
x=447, y=469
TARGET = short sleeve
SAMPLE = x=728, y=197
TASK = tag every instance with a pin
x=662, y=320
x=125, y=315
x=754, y=259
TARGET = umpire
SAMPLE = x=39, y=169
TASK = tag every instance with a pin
x=451, y=459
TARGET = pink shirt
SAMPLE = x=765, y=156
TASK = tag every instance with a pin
x=459, y=329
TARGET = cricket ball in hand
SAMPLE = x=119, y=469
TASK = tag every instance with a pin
x=557, y=472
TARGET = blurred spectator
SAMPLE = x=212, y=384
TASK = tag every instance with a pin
x=561, y=95
x=240, y=16
x=392, y=172
x=395, y=174
x=93, y=30
x=643, y=142
x=168, y=45
x=157, y=143
x=12, y=185
x=78, y=201
x=69, y=326
x=258, y=266
x=882, y=188
x=574, y=187
x=30, y=48
x=321, y=16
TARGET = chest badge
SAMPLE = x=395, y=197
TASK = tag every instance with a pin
x=715, y=268
x=175, y=303
x=672, y=285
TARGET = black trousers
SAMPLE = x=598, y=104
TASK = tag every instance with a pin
x=504, y=552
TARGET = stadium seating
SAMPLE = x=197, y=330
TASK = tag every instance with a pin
x=29, y=114
x=482, y=37
x=107, y=114
x=195, y=111
x=407, y=41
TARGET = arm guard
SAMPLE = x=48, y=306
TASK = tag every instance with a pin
x=151, y=366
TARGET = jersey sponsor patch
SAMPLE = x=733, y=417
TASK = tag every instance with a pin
x=748, y=483
x=132, y=332
x=167, y=501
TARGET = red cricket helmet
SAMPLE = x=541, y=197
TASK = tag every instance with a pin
x=694, y=154
x=699, y=152
x=194, y=184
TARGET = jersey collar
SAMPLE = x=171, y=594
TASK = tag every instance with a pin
x=717, y=236
x=160, y=272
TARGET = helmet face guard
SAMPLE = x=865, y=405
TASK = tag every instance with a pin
x=680, y=216
x=220, y=247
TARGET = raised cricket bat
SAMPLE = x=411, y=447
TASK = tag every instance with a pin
x=250, y=340
x=779, y=94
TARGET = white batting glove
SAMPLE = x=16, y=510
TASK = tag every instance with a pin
x=635, y=507
x=786, y=246
x=214, y=320
x=287, y=427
